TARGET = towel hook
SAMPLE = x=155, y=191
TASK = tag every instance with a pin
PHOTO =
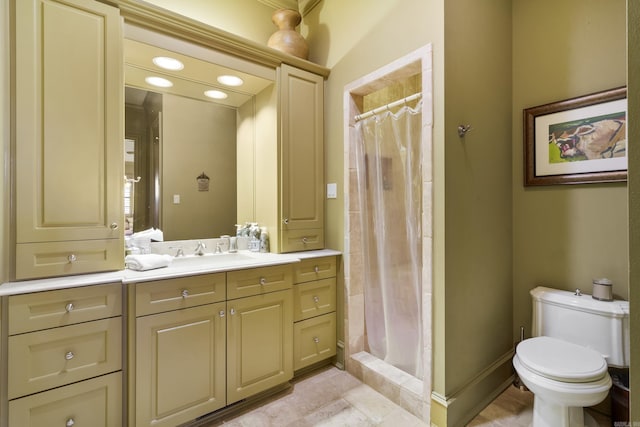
x=463, y=129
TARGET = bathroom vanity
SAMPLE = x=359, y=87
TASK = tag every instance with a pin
x=84, y=341
x=69, y=152
x=166, y=346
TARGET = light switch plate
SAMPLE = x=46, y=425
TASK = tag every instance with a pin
x=332, y=190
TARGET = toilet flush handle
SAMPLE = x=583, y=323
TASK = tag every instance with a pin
x=578, y=293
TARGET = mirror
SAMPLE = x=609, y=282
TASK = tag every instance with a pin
x=189, y=159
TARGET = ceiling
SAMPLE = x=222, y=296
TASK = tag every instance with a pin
x=196, y=77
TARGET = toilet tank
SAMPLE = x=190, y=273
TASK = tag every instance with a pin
x=599, y=325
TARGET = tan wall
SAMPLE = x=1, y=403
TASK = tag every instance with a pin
x=477, y=197
x=564, y=236
x=4, y=141
x=198, y=137
x=250, y=19
x=633, y=86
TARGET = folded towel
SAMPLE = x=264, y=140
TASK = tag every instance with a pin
x=144, y=262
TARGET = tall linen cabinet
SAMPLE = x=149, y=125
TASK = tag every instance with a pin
x=68, y=138
x=290, y=161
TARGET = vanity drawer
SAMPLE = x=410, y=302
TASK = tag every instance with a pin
x=96, y=403
x=256, y=281
x=314, y=298
x=34, y=260
x=314, y=269
x=43, y=310
x=46, y=359
x=314, y=340
x=302, y=240
x=172, y=294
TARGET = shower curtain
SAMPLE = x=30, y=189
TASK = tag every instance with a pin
x=388, y=164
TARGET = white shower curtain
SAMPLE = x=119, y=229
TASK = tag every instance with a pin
x=388, y=156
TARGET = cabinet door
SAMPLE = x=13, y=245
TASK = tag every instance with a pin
x=69, y=126
x=302, y=173
x=259, y=343
x=180, y=365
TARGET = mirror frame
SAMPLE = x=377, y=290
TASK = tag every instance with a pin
x=165, y=22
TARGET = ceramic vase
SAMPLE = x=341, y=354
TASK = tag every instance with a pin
x=287, y=39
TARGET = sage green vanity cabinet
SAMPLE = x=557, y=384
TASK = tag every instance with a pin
x=177, y=349
x=314, y=311
x=200, y=343
x=64, y=357
x=68, y=137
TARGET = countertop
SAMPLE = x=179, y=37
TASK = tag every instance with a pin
x=188, y=266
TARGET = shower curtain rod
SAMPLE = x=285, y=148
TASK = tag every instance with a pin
x=390, y=105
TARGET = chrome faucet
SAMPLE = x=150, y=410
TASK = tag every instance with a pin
x=200, y=248
x=179, y=251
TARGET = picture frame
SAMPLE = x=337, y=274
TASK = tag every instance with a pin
x=577, y=141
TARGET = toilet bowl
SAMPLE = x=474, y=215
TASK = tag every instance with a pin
x=564, y=377
x=576, y=339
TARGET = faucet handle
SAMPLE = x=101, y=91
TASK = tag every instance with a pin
x=200, y=248
x=179, y=251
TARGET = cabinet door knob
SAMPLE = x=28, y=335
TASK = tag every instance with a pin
x=316, y=269
x=304, y=240
x=316, y=299
x=69, y=355
x=70, y=423
x=263, y=281
x=232, y=311
x=69, y=307
x=72, y=258
x=114, y=226
x=316, y=340
x=221, y=313
x=286, y=221
x=184, y=293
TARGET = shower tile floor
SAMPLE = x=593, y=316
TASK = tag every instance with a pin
x=331, y=397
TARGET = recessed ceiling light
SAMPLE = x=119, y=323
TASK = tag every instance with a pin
x=158, y=81
x=215, y=94
x=168, y=63
x=230, y=80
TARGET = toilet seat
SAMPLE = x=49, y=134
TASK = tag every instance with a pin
x=561, y=361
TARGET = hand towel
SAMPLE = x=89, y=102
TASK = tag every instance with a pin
x=142, y=262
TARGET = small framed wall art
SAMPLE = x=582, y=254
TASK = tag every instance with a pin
x=577, y=141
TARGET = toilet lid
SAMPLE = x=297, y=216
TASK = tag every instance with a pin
x=560, y=360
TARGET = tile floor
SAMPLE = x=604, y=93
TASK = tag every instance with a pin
x=514, y=408
x=334, y=398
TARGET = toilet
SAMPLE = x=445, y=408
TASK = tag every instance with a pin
x=565, y=364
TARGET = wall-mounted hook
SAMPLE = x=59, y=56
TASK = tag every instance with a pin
x=463, y=129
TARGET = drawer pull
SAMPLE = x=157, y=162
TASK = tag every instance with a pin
x=263, y=281
x=305, y=240
x=316, y=340
x=72, y=258
x=316, y=299
x=69, y=307
x=69, y=355
x=184, y=293
x=70, y=423
x=221, y=313
x=316, y=269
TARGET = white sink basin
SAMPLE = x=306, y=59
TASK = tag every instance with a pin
x=214, y=260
